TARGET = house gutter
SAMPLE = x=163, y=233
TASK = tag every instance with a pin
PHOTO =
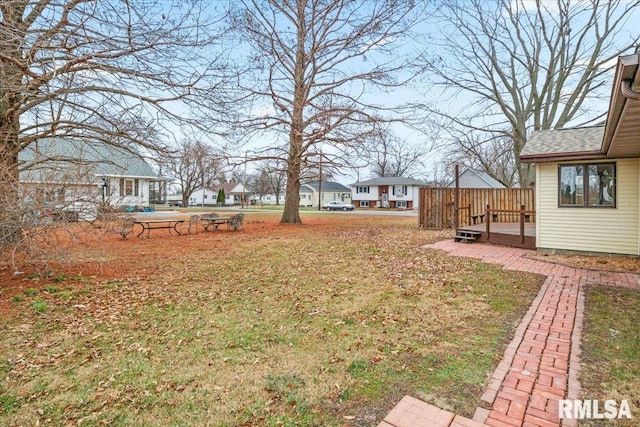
x=628, y=92
x=626, y=72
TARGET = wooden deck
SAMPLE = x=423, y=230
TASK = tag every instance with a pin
x=506, y=234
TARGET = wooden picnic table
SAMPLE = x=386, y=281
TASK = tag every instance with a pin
x=158, y=224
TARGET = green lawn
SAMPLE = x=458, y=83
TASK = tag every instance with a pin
x=325, y=325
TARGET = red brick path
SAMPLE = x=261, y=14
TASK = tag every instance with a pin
x=541, y=364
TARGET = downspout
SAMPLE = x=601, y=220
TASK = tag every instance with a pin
x=628, y=92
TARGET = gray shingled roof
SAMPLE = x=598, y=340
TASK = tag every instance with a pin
x=389, y=180
x=472, y=178
x=558, y=141
x=62, y=157
x=327, y=186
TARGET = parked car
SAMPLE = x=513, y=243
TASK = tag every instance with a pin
x=338, y=205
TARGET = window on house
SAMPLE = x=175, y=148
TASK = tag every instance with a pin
x=364, y=203
x=400, y=190
x=128, y=187
x=401, y=204
x=362, y=190
x=587, y=185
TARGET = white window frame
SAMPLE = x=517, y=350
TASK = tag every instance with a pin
x=400, y=190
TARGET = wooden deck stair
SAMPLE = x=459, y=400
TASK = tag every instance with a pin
x=466, y=236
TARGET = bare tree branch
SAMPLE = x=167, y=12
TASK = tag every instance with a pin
x=516, y=66
x=124, y=73
x=318, y=63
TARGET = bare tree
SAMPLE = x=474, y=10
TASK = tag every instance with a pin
x=194, y=166
x=388, y=155
x=118, y=72
x=318, y=63
x=259, y=184
x=495, y=157
x=274, y=172
x=515, y=66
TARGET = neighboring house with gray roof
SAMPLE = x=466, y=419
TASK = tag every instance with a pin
x=79, y=175
x=471, y=178
x=233, y=194
x=588, y=179
x=387, y=192
x=314, y=192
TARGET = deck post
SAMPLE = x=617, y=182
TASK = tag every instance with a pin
x=469, y=221
x=456, y=198
x=487, y=216
x=521, y=224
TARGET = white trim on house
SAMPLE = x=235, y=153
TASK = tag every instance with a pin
x=387, y=192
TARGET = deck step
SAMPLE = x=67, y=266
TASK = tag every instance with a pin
x=466, y=236
x=464, y=239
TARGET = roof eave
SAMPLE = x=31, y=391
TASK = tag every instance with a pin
x=563, y=157
x=627, y=69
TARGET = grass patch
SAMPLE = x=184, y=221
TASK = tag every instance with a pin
x=316, y=325
x=39, y=306
x=611, y=345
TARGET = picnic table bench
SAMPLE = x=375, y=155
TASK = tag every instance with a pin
x=476, y=217
x=214, y=221
x=157, y=224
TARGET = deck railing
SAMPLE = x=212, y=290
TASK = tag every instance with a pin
x=523, y=214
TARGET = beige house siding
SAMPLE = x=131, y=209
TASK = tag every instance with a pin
x=603, y=230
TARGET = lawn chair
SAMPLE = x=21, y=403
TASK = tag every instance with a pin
x=123, y=227
x=194, y=220
x=235, y=222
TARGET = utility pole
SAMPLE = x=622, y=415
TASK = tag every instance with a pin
x=244, y=177
x=320, y=183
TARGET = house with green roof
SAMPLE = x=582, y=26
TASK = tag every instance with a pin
x=387, y=192
x=588, y=178
x=77, y=176
x=314, y=192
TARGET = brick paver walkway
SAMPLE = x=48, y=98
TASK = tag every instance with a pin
x=541, y=364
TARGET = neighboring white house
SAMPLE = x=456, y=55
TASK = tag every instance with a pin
x=471, y=178
x=78, y=175
x=233, y=192
x=588, y=179
x=330, y=191
x=270, y=199
x=387, y=192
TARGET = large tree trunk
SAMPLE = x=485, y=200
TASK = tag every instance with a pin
x=291, y=213
x=10, y=101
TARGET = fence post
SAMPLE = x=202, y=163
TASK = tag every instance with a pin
x=521, y=224
x=457, y=195
x=487, y=216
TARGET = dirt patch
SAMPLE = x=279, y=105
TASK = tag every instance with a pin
x=80, y=251
x=602, y=263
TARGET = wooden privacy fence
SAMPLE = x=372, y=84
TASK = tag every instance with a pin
x=437, y=205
